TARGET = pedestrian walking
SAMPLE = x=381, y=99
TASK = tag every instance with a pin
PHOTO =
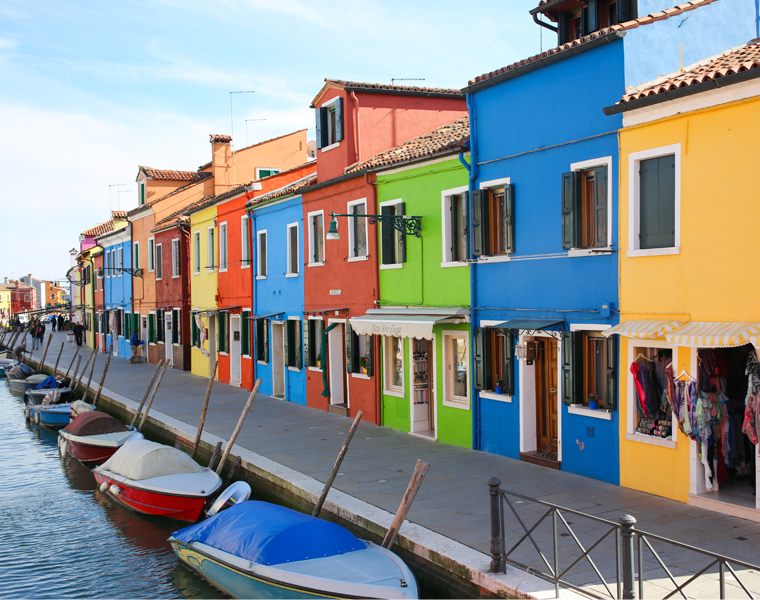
x=35, y=340
x=134, y=344
x=40, y=333
x=19, y=350
x=53, y=321
x=60, y=322
x=78, y=329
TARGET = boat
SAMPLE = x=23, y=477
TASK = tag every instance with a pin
x=261, y=550
x=6, y=364
x=93, y=437
x=20, y=371
x=36, y=396
x=21, y=385
x=157, y=480
x=56, y=413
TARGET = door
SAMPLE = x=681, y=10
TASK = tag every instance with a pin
x=168, y=346
x=278, y=360
x=144, y=336
x=336, y=341
x=212, y=345
x=234, y=349
x=423, y=388
x=546, y=396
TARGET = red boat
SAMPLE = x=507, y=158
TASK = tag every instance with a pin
x=93, y=437
x=157, y=480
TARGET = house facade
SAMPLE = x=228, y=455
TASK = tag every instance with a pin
x=115, y=322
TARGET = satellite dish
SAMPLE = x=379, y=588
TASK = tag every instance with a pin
x=311, y=148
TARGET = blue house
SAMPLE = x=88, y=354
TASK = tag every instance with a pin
x=543, y=208
x=117, y=286
x=281, y=330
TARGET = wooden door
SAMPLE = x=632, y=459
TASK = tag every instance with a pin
x=546, y=395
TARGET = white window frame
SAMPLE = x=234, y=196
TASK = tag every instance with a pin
x=310, y=216
x=176, y=268
x=349, y=206
x=106, y=266
x=196, y=252
x=160, y=271
x=151, y=255
x=388, y=388
x=259, y=234
x=289, y=253
x=446, y=260
x=584, y=165
x=330, y=104
x=275, y=169
x=380, y=233
x=245, y=243
x=461, y=402
x=210, y=248
x=223, y=257
x=120, y=254
x=136, y=255
x=305, y=358
x=579, y=409
x=634, y=201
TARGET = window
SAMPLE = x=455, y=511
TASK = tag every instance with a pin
x=196, y=252
x=592, y=16
x=261, y=173
x=262, y=340
x=120, y=322
x=293, y=350
x=159, y=261
x=223, y=247
x=223, y=332
x=589, y=369
x=330, y=123
x=176, y=324
x=136, y=261
x=493, y=227
x=393, y=242
x=493, y=360
x=456, y=355
x=142, y=193
x=245, y=242
x=455, y=206
x=316, y=238
x=585, y=205
x=359, y=353
x=357, y=230
x=151, y=255
x=160, y=325
x=245, y=331
x=176, y=266
x=211, y=251
x=261, y=258
x=52, y=296
x=195, y=333
x=120, y=259
x=293, y=258
x=312, y=342
x=394, y=364
x=107, y=265
x=127, y=328
x=654, y=210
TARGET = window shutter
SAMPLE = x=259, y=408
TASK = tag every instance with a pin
x=219, y=332
x=193, y=330
x=244, y=325
x=349, y=348
x=387, y=236
x=478, y=240
x=307, y=342
x=152, y=328
x=174, y=327
x=226, y=332
x=657, y=203
x=562, y=28
x=465, y=225
x=592, y=17
x=569, y=216
x=265, y=325
x=509, y=218
x=509, y=364
x=287, y=344
x=610, y=382
x=569, y=342
x=370, y=355
x=478, y=362
x=299, y=348
x=401, y=255
x=623, y=11
x=339, y=119
x=136, y=323
x=600, y=207
x=318, y=113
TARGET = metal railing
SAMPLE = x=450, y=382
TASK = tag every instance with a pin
x=631, y=547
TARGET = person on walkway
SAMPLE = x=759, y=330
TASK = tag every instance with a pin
x=60, y=322
x=53, y=321
x=134, y=344
x=33, y=332
x=78, y=333
x=40, y=333
x=19, y=350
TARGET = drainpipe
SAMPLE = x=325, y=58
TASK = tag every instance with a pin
x=356, y=128
x=252, y=247
x=376, y=350
x=543, y=24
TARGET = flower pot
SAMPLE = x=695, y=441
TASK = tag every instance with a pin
x=499, y=390
x=593, y=404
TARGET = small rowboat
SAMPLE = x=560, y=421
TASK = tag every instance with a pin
x=20, y=371
x=93, y=437
x=36, y=396
x=22, y=385
x=5, y=364
x=56, y=415
x=157, y=480
x=261, y=550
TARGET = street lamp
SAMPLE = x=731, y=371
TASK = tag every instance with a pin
x=406, y=224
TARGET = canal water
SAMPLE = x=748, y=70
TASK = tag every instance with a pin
x=61, y=538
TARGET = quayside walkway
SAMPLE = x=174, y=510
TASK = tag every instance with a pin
x=450, y=517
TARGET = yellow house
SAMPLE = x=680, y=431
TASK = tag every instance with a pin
x=688, y=294
x=5, y=301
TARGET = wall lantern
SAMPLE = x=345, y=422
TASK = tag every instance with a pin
x=406, y=224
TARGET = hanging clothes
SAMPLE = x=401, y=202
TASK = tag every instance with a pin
x=641, y=406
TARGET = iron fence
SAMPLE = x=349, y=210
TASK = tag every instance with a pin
x=631, y=549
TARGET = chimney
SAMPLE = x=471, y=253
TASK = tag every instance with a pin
x=221, y=162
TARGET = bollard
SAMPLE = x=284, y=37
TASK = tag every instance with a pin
x=496, y=550
x=626, y=533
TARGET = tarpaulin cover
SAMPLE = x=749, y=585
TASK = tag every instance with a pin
x=95, y=422
x=268, y=534
x=48, y=382
x=24, y=370
x=143, y=459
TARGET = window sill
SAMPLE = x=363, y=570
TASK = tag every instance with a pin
x=393, y=266
x=589, y=251
x=223, y=354
x=245, y=266
x=360, y=376
x=261, y=362
x=210, y=270
x=579, y=409
x=294, y=369
x=494, y=396
x=330, y=147
x=315, y=369
x=651, y=440
x=358, y=258
x=159, y=278
x=464, y=405
x=175, y=276
x=495, y=258
x=654, y=252
x=196, y=272
x=291, y=274
x=395, y=393
x=456, y=263
x=259, y=277
x=316, y=264
x=222, y=269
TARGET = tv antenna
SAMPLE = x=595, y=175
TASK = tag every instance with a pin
x=246, y=128
x=118, y=192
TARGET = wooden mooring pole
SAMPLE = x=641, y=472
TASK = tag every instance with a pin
x=73, y=358
x=74, y=374
x=103, y=376
x=238, y=427
x=44, y=352
x=203, y=412
x=420, y=470
x=145, y=397
x=84, y=370
x=165, y=365
x=57, y=360
x=89, y=378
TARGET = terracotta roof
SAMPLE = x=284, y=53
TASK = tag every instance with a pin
x=100, y=229
x=176, y=218
x=172, y=175
x=205, y=166
x=738, y=60
x=119, y=215
x=392, y=88
x=293, y=188
x=218, y=138
x=620, y=27
x=454, y=135
x=177, y=191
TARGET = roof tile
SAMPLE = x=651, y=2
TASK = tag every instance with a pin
x=393, y=88
x=171, y=174
x=218, y=138
x=293, y=188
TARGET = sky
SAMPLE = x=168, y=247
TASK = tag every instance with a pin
x=90, y=90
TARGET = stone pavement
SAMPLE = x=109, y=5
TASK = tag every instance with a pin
x=453, y=500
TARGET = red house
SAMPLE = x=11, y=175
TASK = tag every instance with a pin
x=354, y=122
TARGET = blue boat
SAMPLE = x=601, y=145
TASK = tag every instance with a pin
x=261, y=550
x=51, y=415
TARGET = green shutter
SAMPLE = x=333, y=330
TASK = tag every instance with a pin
x=136, y=323
x=245, y=342
x=600, y=207
x=226, y=332
x=299, y=346
x=570, y=220
x=569, y=342
x=318, y=113
x=194, y=333
x=339, y=119
x=623, y=11
x=386, y=233
x=591, y=17
x=350, y=345
x=401, y=254
x=287, y=343
x=509, y=364
x=562, y=33
x=370, y=355
x=477, y=222
x=142, y=194
x=610, y=382
x=152, y=328
x=478, y=361
x=509, y=218
x=657, y=202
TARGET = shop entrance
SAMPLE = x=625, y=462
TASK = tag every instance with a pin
x=235, y=350
x=336, y=341
x=423, y=389
x=278, y=359
x=546, y=397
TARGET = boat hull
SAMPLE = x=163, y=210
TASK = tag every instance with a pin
x=54, y=415
x=89, y=454
x=20, y=385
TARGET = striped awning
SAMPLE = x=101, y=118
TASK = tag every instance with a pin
x=714, y=334
x=644, y=330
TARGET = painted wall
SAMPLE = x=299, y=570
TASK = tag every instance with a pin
x=118, y=285
x=203, y=285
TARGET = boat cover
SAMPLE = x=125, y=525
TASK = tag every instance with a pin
x=23, y=371
x=48, y=382
x=143, y=459
x=94, y=422
x=268, y=534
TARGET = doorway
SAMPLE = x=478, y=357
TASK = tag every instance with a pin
x=212, y=345
x=423, y=388
x=235, y=350
x=144, y=336
x=336, y=340
x=278, y=359
x=168, y=346
x=547, y=430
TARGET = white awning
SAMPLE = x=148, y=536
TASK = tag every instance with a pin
x=714, y=334
x=411, y=326
x=644, y=330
